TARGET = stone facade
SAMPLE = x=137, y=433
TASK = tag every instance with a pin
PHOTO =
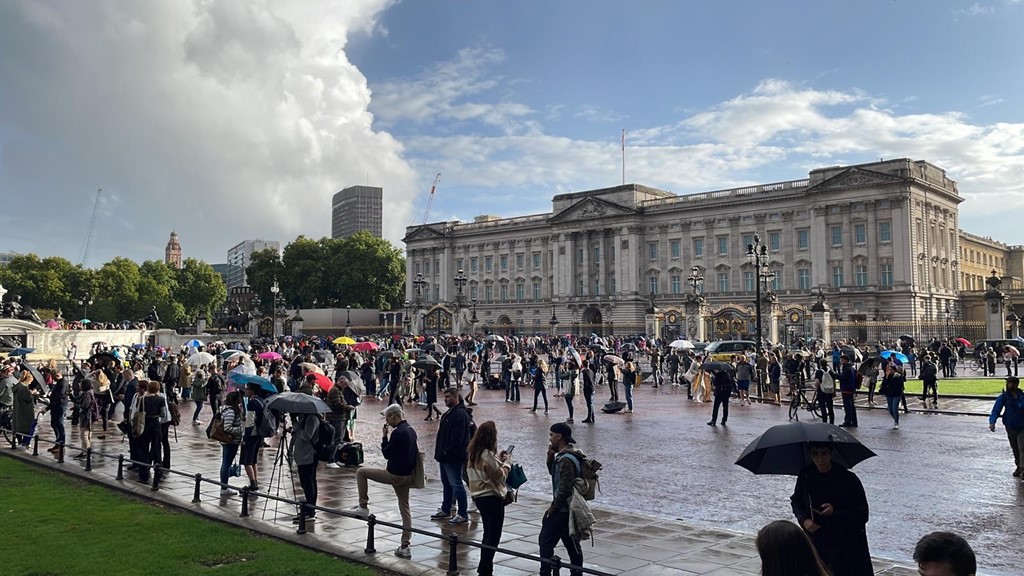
x=874, y=239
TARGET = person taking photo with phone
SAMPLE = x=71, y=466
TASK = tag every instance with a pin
x=487, y=471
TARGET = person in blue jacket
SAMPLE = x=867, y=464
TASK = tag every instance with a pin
x=1010, y=405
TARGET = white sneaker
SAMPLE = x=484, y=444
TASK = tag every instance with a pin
x=197, y=423
x=404, y=552
x=360, y=511
x=895, y=426
x=332, y=465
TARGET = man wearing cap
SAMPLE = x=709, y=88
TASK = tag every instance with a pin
x=400, y=451
x=555, y=525
x=7, y=382
x=1010, y=406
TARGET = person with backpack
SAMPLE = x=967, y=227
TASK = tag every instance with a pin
x=88, y=412
x=233, y=423
x=197, y=391
x=826, y=391
x=172, y=373
x=252, y=440
x=214, y=388
x=304, y=435
x=155, y=412
x=930, y=379
x=555, y=524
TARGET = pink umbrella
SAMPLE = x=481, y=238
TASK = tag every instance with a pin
x=52, y=324
x=364, y=346
x=269, y=356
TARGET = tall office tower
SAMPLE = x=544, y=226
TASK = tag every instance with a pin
x=356, y=208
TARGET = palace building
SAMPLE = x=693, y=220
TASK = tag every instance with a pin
x=878, y=241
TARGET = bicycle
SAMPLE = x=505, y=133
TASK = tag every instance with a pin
x=7, y=425
x=800, y=399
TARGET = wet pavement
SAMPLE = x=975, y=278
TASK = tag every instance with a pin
x=671, y=501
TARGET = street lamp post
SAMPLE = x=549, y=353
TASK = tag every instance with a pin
x=348, y=320
x=473, y=318
x=460, y=281
x=553, y=321
x=275, y=290
x=695, y=280
x=85, y=301
x=948, y=312
x=407, y=315
x=419, y=283
x=757, y=255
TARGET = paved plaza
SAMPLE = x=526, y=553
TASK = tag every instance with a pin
x=671, y=500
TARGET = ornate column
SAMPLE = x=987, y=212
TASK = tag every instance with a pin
x=200, y=323
x=696, y=308
x=297, y=321
x=995, y=318
x=821, y=318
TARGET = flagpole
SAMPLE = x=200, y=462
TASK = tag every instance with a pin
x=623, y=156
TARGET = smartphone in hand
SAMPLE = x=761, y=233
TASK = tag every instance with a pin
x=510, y=448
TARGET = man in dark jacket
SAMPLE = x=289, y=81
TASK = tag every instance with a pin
x=401, y=452
x=171, y=375
x=57, y=408
x=587, y=375
x=555, y=525
x=450, y=453
x=847, y=388
x=1010, y=407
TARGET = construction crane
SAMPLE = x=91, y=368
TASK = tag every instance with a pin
x=430, y=198
x=84, y=256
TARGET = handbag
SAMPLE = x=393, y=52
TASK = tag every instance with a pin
x=516, y=477
x=419, y=477
x=215, y=431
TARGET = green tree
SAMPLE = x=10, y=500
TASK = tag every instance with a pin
x=304, y=264
x=157, y=284
x=264, y=267
x=117, y=291
x=199, y=288
x=365, y=272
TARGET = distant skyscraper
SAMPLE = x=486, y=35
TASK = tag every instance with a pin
x=172, y=253
x=357, y=208
x=239, y=257
x=229, y=272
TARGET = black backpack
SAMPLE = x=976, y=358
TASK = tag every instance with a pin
x=324, y=444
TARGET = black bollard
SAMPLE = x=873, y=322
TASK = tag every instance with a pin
x=156, y=478
x=302, y=517
x=35, y=445
x=453, y=558
x=556, y=565
x=88, y=459
x=195, y=495
x=245, y=502
x=120, y=466
x=371, y=522
x=60, y=454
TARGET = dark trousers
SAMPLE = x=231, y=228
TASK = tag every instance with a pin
x=106, y=408
x=165, y=441
x=307, y=479
x=150, y=446
x=57, y=414
x=513, y=391
x=199, y=408
x=826, y=404
x=849, y=410
x=930, y=385
x=492, y=515
x=214, y=400
x=568, y=402
x=613, y=390
x=542, y=391
x=723, y=401
x=1016, y=438
x=589, y=397
x=555, y=528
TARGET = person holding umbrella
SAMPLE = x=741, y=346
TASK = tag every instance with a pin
x=830, y=504
x=304, y=434
x=892, y=387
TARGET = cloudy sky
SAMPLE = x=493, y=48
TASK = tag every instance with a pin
x=227, y=120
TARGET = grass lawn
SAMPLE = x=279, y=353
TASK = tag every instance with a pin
x=56, y=525
x=978, y=386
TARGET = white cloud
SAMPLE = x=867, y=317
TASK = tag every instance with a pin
x=975, y=9
x=222, y=120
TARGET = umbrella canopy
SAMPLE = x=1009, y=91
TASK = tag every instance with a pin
x=35, y=373
x=425, y=362
x=800, y=353
x=298, y=403
x=20, y=352
x=1013, y=352
x=269, y=356
x=614, y=359
x=138, y=346
x=714, y=366
x=323, y=355
x=965, y=342
x=264, y=383
x=630, y=347
x=311, y=367
x=52, y=324
x=852, y=353
x=413, y=350
x=322, y=381
x=102, y=358
x=433, y=347
x=574, y=354
x=194, y=343
x=85, y=321
x=784, y=449
x=344, y=340
x=227, y=354
x=681, y=345
x=365, y=346
x=493, y=338
x=201, y=359
x=907, y=337
x=355, y=382
x=894, y=354
x=390, y=354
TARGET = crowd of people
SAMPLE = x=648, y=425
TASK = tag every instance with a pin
x=153, y=386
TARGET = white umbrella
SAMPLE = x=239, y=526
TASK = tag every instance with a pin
x=574, y=354
x=682, y=344
x=201, y=359
x=311, y=367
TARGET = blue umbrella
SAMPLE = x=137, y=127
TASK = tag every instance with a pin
x=138, y=346
x=20, y=351
x=262, y=382
x=194, y=343
x=894, y=354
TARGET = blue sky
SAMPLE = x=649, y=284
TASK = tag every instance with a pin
x=227, y=120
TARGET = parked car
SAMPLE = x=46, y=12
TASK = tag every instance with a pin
x=724, y=350
x=999, y=345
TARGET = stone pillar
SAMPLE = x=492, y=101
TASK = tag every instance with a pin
x=278, y=325
x=201, y=323
x=254, y=327
x=297, y=325
x=695, y=326
x=995, y=309
x=770, y=317
x=821, y=318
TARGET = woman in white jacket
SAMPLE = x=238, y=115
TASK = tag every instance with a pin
x=487, y=471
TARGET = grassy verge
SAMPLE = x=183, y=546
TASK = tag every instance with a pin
x=55, y=525
x=978, y=386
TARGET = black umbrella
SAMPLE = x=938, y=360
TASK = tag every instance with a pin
x=630, y=347
x=784, y=449
x=715, y=365
x=907, y=337
x=493, y=338
x=102, y=358
x=36, y=375
x=323, y=355
x=389, y=353
x=613, y=407
x=298, y=403
x=425, y=362
x=433, y=347
x=852, y=353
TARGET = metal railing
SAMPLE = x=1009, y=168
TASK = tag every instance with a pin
x=305, y=509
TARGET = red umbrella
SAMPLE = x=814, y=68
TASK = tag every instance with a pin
x=965, y=342
x=322, y=381
x=364, y=346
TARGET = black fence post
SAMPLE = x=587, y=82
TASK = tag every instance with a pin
x=120, y=466
x=35, y=445
x=245, y=502
x=371, y=522
x=453, y=559
x=88, y=459
x=556, y=565
x=195, y=495
x=60, y=454
x=156, y=477
x=302, y=516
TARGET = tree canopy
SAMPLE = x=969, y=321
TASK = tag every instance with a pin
x=361, y=271
x=119, y=290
